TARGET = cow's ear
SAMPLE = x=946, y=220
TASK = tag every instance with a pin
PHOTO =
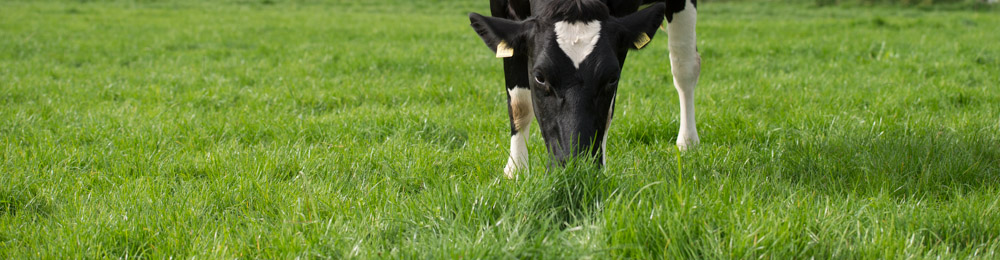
x=502, y=36
x=637, y=29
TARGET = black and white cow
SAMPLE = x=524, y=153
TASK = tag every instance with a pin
x=562, y=60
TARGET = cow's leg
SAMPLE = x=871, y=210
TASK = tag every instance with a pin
x=685, y=64
x=520, y=112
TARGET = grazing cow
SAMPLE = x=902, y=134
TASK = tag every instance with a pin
x=562, y=60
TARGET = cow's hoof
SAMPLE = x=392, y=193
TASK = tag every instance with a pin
x=687, y=143
x=510, y=171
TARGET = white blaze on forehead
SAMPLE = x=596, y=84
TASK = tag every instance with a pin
x=577, y=39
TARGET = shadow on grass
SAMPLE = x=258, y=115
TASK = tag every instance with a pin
x=565, y=195
x=932, y=164
x=18, y=200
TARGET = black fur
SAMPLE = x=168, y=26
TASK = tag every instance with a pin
x=575, y=10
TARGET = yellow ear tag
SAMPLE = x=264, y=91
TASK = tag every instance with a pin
x=641, y=41
x=504, y=51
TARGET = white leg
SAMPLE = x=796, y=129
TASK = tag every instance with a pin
x=522, y=113
x=685, y=64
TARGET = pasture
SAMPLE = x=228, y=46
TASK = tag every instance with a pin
x=378, y=129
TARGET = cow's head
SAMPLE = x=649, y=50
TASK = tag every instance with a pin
x=575, y=51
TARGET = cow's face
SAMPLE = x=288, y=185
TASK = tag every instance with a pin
x=574, y=51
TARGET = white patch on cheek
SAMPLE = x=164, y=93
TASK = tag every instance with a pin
x=607, y=127
x=577, y=39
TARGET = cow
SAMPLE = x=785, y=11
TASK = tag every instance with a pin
x=562, y=60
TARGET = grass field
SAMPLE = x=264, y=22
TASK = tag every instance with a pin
x=277, y=129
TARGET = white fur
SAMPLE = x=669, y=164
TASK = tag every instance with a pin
x=523, y=113
x=607, y=127
x=577, y=39
x=685, y=64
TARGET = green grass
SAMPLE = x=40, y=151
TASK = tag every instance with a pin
x=274, y=129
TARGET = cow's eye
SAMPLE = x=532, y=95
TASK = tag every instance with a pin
x=613, y=82
x=539, y=78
